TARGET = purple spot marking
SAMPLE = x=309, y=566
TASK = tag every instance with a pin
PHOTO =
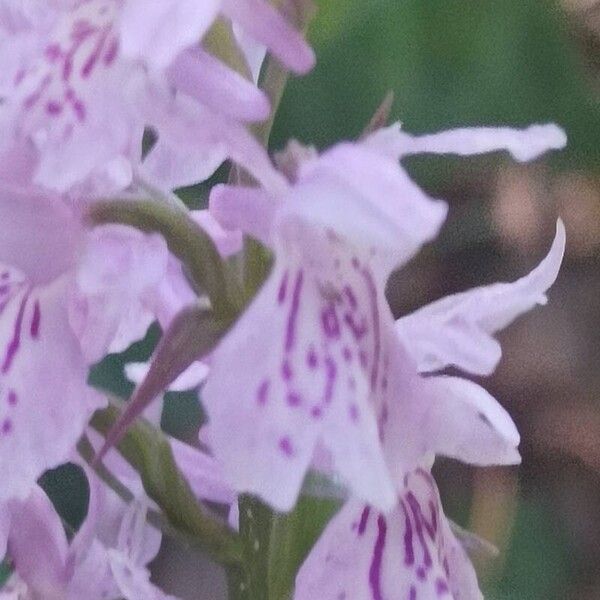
x=263, y=392
x=6, y=426
x=421, y=573
x=316, y=412
x=283, y=288
x=286, y=370
x=364, y=518
x=285, y=445
x=12, y=398
x=330, y=323
x=311, y=358
x=290, y=336
x=53, y=52
x=441, y=587
x=36, y=319
x=294, y=399
x=375, y=569
x=353, y=412
x=15, y=342
x=331, y=373
x=412, y=594
x=54, y=108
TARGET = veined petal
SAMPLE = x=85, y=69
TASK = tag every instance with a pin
x=408, y=554
x=309, y=355
x=457, y=330
x=201, y=76
x=523, y=144
x=261, y=21
x=45, y=403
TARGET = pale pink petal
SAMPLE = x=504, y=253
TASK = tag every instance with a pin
x=118, y=273
x=45, y=403
x=192, y=132
x=408, y=554
x=308, y=354
x=158, y=31
x=227, y=241
x=4, y=527
x=457, y=330
x=263, y=23
x=408, y=215
x=246, y=209
x=254, y=51
x=203, y=473
x=523, y=144
x=38, y=544
x=39, y=234
x=201, y=76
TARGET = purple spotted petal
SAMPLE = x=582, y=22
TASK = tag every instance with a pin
x=45, y=403
x=458, y=330
x=309, y=357
x=409, y=554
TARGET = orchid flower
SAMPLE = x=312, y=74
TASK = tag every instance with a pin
x=67, y=296
x=47, y=565
x=76, y=66
x=317, y=354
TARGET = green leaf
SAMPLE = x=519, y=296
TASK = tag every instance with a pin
x=149, y=452
x=5, y=573
x=292, y=537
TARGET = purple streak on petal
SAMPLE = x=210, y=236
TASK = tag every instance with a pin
x=290, y=336
x=311, y=359
x=416, y=511
x=283, y=288
x=330, y=323
x=15, y=342
x=421, y=573
x=263, y=392
x=286, y=370
x=7, y=426
x=316, y=412
x=376, y=331
x=349, y=293
x=359, y=330
x=375, y=569
x=409, y=552
x=36, y=320
x=412, y=594
x=364, y=518
x=111, y=53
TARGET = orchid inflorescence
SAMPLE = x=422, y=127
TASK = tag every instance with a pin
x=271, y=303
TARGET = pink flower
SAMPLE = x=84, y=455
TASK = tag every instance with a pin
x=98, y=564
x=318, y=360
x=77, y=66
x=67, y=296
x=407, y=554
